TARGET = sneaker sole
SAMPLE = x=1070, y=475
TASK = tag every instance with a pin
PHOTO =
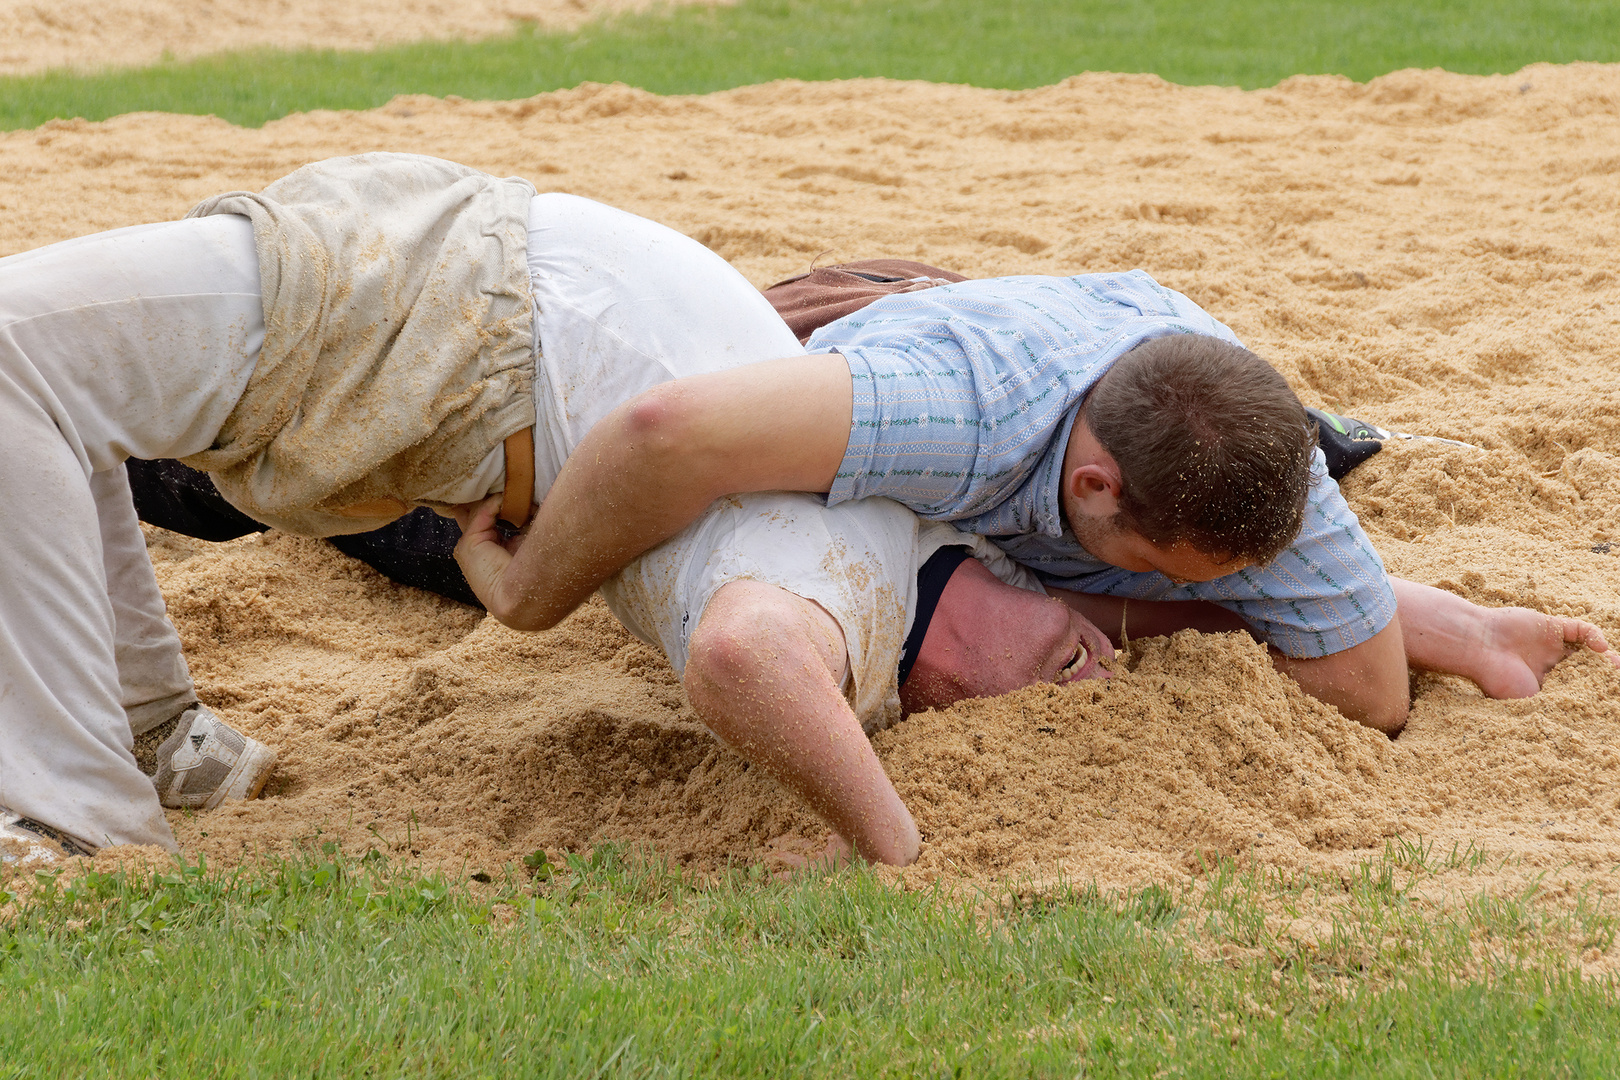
x=25, y=843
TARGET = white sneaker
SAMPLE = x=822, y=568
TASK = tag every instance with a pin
x=206, y=761
x=25, y=842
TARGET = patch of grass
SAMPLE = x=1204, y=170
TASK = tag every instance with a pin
x=1010, y=44
x=616, y=965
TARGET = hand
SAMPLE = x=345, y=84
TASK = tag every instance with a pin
x=1506, y=651
x=484, y=551
x=1521, y=646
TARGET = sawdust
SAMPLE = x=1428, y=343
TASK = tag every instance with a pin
x=1436, y=252
x=38, y=35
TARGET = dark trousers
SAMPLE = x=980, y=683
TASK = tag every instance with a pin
x=417, y=550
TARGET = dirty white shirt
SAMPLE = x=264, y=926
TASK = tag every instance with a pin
x=858, y=560
x=623, y=304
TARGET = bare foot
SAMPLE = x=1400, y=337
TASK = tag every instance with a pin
x=1521, y=646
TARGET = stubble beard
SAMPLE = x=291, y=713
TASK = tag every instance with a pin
x=1095, y=533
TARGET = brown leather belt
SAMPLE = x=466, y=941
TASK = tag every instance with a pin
x=518, y=501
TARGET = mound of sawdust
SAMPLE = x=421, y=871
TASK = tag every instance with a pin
x=1199, y=750
x=1432, y=251
x=36, y=35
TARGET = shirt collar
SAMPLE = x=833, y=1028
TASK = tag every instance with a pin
x=1046, y=483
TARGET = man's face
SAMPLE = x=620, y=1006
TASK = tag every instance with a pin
x=1090, y=498
x=988, y=637
x=1180, y=562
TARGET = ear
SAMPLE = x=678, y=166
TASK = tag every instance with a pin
x=1094, y=488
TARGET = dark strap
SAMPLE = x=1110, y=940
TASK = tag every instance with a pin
x=931, y=581
x=812, y=300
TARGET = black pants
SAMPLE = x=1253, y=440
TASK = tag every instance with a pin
x=415, y=550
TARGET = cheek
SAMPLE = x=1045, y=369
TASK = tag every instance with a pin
x=1022, y=647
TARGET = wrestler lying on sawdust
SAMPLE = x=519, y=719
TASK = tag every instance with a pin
x=327, y=390
x=799, y=629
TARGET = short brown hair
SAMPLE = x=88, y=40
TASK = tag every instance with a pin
x=1213, y=448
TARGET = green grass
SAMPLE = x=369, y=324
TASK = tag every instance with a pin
x=616, y=966
x=1006, y=43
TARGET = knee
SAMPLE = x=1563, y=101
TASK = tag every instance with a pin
x=744, y=634
x=756, y=639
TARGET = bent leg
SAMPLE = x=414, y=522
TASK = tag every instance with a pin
x=764, y=673
x=137, y=341
x=65, y=745
x=417, y=550
x=154, y=682
x=174, y=496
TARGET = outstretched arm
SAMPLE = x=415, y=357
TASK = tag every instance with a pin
x=1506, y=651
x=649, y=468
x=764, y=676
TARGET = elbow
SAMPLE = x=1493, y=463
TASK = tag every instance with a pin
x=1380, y=704
x=672, y=429
x=516, y=617
x=1368, y=683
x=517, y=607
x=1388, y=717
x=661, y=420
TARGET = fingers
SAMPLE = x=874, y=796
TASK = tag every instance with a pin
x=478, y=517
x=837, y=854
x=1578, y=632
x=840, y=852
x=786, y=863
x=481, y=552
x=1584, y=633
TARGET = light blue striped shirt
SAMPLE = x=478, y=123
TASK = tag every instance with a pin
x=964, y=398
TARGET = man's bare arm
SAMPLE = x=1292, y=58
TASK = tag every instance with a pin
x=649, y=468
x=764, y=676
x=1119, y=618
x=1506, y=651
x=1368, y=682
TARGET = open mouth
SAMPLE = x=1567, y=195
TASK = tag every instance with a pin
x=1075, y=664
